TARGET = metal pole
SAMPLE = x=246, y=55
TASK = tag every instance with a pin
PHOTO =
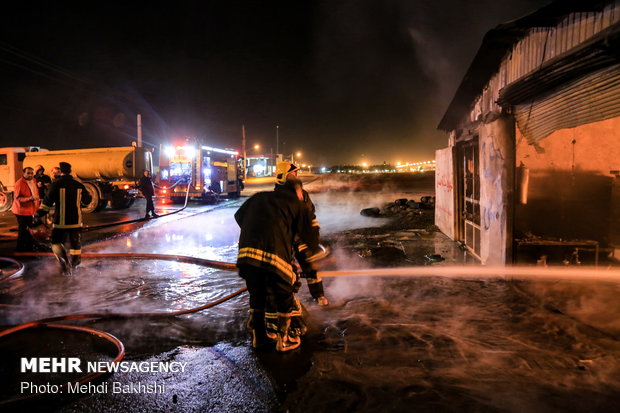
x=245, y=160
x=277, y=140
x=139, y=130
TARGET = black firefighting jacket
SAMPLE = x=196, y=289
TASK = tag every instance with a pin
x=269, y=222
x=68, y=195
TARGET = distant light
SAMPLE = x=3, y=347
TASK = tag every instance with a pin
x=364, y=164
x=323, y=169
x=206, y=172
x=126, y=187
x=258, y=168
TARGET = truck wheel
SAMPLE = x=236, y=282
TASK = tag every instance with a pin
x=6, y=201
x=96, y=202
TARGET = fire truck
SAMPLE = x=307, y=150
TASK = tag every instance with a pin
x=202, y=172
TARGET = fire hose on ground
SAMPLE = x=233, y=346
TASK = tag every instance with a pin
x=433, y=271
x=47, y=322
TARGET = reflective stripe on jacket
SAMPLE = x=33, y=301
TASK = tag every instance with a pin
x=68, y=195
x=269, y=222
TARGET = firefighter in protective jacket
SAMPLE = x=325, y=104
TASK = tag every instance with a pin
x=269, y=223
x=287, y=171
x=67, y=195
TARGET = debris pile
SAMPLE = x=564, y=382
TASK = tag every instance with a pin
x=406, y=213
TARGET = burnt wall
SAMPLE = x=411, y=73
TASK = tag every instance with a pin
x=496, y=190
x=570, y=182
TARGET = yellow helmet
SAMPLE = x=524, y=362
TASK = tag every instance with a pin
x=282, y=170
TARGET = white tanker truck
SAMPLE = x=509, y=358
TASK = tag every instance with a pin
x=109, y=174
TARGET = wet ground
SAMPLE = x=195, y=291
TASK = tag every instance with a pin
x=393, y=344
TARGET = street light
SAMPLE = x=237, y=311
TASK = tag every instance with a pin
x=256, y=147
x=298, y=154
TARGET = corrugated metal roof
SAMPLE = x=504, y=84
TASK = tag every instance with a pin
x=600, y=51
x=591, y=98
x=497, y=43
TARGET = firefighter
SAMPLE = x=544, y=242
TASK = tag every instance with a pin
x=68, y=195
x=287, y=171
x=147, y=187
x=269, y=223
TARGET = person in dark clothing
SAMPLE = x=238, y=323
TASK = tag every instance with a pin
x=269, y=222
x=147, y=187
x=68, y=195
x=288, y=171
x=56, y=173
x=43, y=181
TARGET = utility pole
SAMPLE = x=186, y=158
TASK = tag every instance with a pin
x=245, y=161
x=277, y=140
x=139, y=130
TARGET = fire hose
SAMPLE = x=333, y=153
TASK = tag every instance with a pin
x=451, y=271
x=45, y=323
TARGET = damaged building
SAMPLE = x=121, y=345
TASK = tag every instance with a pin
x=531, y=173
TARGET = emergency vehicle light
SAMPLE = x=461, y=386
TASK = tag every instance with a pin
x=169, y=151
x=208, y=148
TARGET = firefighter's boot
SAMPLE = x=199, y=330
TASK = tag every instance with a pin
x=256, y=326
x=284, y=341
x=76, y=260
x=61, y=255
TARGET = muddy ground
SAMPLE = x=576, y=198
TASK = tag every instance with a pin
x=392, y=344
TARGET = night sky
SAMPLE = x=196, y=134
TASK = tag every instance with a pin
x=346, y=81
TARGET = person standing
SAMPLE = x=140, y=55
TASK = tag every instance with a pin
x=269, y=222
x=147, y=187
x=67, y=195
x=56, y=173
x=286, y=171
x=25, y=203
x=43, y=181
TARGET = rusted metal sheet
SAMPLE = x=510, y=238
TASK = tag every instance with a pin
x=592, y=98
x=541, y=43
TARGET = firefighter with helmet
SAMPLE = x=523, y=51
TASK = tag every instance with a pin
x=269, y=222
x=287, y=171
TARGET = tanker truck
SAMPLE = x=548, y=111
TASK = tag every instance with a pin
x=109, y=174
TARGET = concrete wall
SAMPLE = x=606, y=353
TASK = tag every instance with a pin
x=444, y=192
x=569, y=194
x=496, y=143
